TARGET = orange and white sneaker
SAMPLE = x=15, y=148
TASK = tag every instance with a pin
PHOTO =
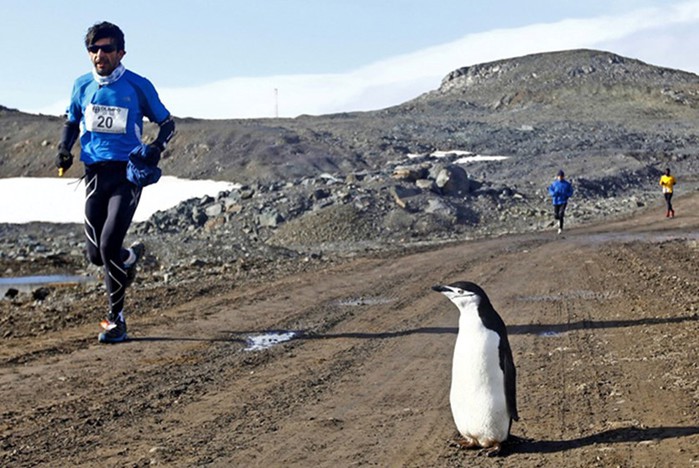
x=114, y=331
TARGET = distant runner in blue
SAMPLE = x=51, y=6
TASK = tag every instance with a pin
x=106, y=112
x=560, y=190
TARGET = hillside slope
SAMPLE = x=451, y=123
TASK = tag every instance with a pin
x=546, y=108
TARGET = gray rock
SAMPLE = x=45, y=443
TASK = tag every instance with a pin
x=425, y=184
x=440, y=207
x=199, y=216
x=453, y=180
x=402, y=191
x=213, y=210
x=269, y=218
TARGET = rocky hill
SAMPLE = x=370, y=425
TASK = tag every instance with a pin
x=611, y=122
x=553, y=106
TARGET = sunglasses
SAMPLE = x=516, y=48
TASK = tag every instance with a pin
x=107, y=48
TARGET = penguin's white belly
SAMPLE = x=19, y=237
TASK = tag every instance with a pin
x=477, y=394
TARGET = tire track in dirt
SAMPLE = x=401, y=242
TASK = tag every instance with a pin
x=657, y=324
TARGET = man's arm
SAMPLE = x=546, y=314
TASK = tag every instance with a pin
x=165, y=133
x=69, y=134
x=150, y=153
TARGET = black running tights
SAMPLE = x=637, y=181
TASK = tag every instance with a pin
x=559, y=212
x=110, y=203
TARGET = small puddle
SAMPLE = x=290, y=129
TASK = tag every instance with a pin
x=363, y=301
x=28, y=283
x=549, y=334
x=267, y=340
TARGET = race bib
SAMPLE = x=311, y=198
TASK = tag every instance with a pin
x=106, y=119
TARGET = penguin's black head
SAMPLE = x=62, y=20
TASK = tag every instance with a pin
x=463, y=293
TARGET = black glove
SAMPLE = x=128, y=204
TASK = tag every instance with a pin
x=151, y=154
x=63, y=159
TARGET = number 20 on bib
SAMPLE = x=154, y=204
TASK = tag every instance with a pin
x=106, y=119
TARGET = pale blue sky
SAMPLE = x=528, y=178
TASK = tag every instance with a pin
x=219, y=59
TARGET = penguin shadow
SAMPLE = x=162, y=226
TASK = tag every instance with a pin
x=612, y=436
x=543, y=329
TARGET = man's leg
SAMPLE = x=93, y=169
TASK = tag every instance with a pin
x=118, y=211
x=560, y=213
x=121, y=208
x=95, y=214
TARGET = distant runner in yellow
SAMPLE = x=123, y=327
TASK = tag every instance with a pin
x=667, y=182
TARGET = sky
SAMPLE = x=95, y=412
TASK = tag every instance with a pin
x=220, y=59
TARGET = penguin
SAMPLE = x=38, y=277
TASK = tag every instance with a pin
x=483, y=392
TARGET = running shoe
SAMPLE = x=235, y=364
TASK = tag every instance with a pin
x=137, y=250
x=114, y=332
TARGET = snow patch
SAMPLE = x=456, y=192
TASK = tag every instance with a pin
x=468, y=156
x=62, y=200
x=267, y=340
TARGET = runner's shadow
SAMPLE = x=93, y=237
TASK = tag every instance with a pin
x=612, y=436
x=531, y=329
x=538, y=329
x=298, y=335
x=305, y=335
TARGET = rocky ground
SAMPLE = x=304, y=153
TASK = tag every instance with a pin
x=603, y=325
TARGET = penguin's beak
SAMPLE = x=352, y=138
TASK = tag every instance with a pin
x=440, y=288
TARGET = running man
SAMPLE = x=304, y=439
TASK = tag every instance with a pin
x=106, y=113
x=667, y=182
x=560, y=190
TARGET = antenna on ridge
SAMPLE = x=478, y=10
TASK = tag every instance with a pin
x=276, y=102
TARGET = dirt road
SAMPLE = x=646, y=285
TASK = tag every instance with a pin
x=603, y=324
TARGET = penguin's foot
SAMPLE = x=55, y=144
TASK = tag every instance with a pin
x=466, y=442
x=489, y=448
x=492, y=450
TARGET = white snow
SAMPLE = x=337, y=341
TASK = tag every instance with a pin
x=468, y=156
x=61, y=200
x=479, y=158
x=260, y=342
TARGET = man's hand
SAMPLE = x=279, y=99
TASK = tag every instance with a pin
x=151, y=154
x=63, y=160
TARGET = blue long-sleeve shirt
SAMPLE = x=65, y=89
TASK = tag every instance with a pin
x=111, y=116
x=560, y=191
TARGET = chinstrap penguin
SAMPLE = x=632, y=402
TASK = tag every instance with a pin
x=483, y=390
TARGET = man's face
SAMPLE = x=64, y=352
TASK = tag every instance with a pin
x=104, y=56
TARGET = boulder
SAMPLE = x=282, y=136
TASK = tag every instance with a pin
x=453, y=180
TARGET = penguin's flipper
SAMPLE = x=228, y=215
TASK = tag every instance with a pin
x=508, y=367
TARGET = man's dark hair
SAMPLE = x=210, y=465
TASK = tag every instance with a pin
x=105, y=30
